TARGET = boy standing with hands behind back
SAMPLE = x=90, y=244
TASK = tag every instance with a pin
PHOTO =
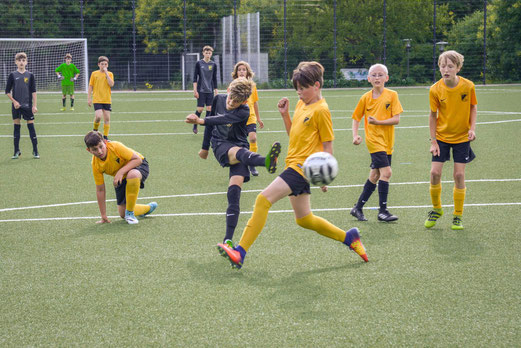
x=381, y=108
x=100, y=83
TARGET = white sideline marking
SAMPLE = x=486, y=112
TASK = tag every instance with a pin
x=250, y=212
x=244, y=191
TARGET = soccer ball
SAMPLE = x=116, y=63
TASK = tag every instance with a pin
x=321, y=168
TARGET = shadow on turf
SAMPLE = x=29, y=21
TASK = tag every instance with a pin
x=116, y=226
x=457, y=246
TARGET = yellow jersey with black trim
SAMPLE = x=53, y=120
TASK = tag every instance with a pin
x=100, y=87
x=254, y=97
x=311, y=126
x=117, y=156
x=378, y=137
x=453, y=108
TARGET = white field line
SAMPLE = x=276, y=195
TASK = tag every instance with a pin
x=260, y=131
x=189, y=195
x=250, y=212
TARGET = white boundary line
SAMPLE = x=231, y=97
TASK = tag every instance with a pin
x=189, y=195
x=250, y=212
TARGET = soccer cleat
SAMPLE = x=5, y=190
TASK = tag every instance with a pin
x=62, y=109
x=434, y=215
x=457, y=224
x=16, y=155
x=353, y=241
x=231, y=254
x=72, y=109
x=254, y=171
x=36, y=155
x=271, y=158
x=130, y=218
x=195, y=129
x=385, y=216
x=228, y=242
x=153, y=206
x=358, y=213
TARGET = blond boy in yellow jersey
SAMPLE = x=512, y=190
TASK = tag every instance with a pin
x=129, y=169
x=452, y=124
x=310, y=131
x=99, y=85
x=381, y=108
x=243, y=69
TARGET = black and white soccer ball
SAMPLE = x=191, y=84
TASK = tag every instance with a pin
x=321, y=168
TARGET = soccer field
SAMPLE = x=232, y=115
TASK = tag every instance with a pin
x=67, y=281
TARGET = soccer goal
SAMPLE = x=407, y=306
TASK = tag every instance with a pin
x=44, y=56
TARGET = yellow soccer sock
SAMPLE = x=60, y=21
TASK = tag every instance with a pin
x=322, y=226
x=256, y=222
x=96, y=126
x=254, y=147
x=141, y=209
x=131, y=193
x=106, y=128
x=435, y=191
x=459, y=198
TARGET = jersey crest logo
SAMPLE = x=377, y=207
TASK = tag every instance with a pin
x=387, y=106
x=210, y=67
x=26, y=79
x=117, y=159
x=229, y=125
x=464, y=97
x=305, y=120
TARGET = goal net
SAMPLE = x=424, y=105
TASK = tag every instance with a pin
x=43, y=57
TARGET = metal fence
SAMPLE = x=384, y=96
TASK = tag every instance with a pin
x=155, y=43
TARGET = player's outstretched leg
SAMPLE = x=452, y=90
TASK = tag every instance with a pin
x=272, y=157
x=434, y=215
x=353, y=242
x=153, y=206
x=234, y=255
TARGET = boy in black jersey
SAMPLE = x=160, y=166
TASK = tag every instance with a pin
x=205, y=83
x=227, y=133
x=21, y=89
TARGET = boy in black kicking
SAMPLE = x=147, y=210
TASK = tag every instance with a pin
x=230, y=145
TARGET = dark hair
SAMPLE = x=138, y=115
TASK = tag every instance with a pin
x=102, y=59
x=307, y=73
x=208, y=48
x=93, y=138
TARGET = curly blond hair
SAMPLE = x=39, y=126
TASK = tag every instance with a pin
x=249, y=72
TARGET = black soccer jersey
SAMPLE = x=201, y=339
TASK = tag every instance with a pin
x=21, y=86
x=228, y=125
x=205, y=74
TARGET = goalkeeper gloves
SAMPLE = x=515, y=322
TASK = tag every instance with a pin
x=60, y=77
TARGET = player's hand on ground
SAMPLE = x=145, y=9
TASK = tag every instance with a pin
x=435, y=149
x=104, y=220
x=283, y=105
x=196, y=95
x=372, y=120
x=323, y=188
x=261, y=124
x=203, y=153
x=357, y=140
x=472, y=135
x=35, y=109
x=192, y=119
x=16, y=105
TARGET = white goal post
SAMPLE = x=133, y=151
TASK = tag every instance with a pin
x=43, y=57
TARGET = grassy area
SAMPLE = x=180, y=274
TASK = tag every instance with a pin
x=66, y=281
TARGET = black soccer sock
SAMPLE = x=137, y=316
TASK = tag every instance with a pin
x=16, y=137
x=72, y=102
x=233, y=210
x=32, y=134
x=368, y=190
x=63, y=101
x=198, y=114
x=250, y=158
x=383, y=191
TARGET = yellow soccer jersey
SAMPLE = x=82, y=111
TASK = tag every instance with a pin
x=378, y=137
x=117, y=156
x=100, y=87
x=453, y=107
x=254, y=97
x=311, y=126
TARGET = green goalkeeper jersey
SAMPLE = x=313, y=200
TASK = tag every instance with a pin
x=68, y=72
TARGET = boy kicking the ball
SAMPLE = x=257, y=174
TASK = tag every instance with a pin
x=227, y=131
x=129, y=169
x=310, y=131
x=381, y=108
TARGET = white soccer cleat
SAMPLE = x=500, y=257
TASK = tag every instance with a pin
x=130, y=218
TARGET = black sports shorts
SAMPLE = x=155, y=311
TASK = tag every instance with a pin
x=380, y=160
x=296, y=182
x=98, y=106
x=461, y=152
x=204, y=99
x=121, y=189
